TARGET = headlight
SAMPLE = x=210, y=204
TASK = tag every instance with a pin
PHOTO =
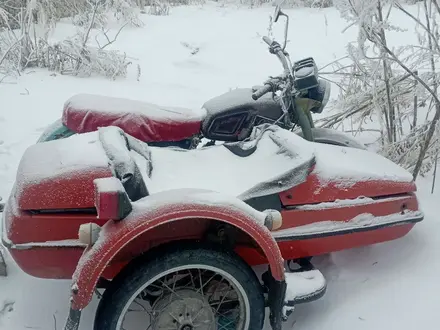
x=320, y=93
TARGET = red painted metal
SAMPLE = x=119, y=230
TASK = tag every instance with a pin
x=51, y=176
x=45, y=262
x=111, y=200
x=25, y=227
x=60, y=262
x=380, y=207
x=53, y=263
x=135, y=119
x=52, y=194
x=107, y=205
x=314, y=191
x=118, y=234
x=147, y=227
x=294, y=249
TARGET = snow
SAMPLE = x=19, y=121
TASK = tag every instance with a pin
x=338, y=203
x=54, y=159
x=361, y=200
x=172, y=199
x=363, y=220
x=302, y=284
x=159, y=204
x=386, y=286
x=326, y=134
x=115, y=147
x=60, y=243
x=278, y=152
x=231, y=98
x=305, y=71
x=109, y=185
x=100, y=103
x=349, y=165
x=217, y=168
x=148, y=122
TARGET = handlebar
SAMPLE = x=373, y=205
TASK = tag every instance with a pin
x=275, y=48
x=283, y=61
x=261, y=91
x=267, y=40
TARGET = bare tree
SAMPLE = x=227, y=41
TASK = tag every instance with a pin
x=394, y=86
x=24, y=47
x=429, y=40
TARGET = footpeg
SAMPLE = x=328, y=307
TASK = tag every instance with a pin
x=304, y=286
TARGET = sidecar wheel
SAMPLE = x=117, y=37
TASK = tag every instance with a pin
x=191, y=288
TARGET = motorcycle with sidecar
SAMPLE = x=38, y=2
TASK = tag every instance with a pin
x=173, y=247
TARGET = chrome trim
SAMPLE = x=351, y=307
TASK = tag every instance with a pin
x=403, y=220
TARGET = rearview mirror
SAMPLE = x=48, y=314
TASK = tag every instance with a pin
x=277, y=13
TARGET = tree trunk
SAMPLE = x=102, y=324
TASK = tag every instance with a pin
x=436, y=118
x=392, y=133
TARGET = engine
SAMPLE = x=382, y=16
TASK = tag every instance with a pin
x=232, y=116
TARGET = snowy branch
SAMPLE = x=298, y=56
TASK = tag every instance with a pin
x=375, y=86
x=74, y=55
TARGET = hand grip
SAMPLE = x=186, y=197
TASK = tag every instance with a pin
x=260, y=92
x=267, y=40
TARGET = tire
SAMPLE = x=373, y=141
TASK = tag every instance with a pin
x=134, y=278
x=55, y=131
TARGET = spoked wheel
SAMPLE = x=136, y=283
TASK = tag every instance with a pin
x=193, y=289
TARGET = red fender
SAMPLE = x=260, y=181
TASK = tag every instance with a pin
x=161, y=208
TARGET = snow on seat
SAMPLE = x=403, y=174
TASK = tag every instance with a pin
x=148, y=122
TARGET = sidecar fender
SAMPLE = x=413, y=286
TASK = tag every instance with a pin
x=167, y=207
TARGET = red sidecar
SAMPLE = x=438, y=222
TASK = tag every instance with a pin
x=171, y=234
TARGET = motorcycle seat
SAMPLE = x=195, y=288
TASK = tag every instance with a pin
x=148, y=122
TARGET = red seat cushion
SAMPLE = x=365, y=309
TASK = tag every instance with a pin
x=148, y=122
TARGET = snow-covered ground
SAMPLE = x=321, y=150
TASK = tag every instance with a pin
x=387, y=286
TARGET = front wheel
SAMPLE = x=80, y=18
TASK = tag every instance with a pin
x=191, y=288
x=55, y=131
x=334, y=137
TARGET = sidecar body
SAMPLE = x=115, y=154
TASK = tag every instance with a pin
x=93, y=206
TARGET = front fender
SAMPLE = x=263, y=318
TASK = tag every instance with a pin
x=55, y=131
x=334, y=137
x=166, y=207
